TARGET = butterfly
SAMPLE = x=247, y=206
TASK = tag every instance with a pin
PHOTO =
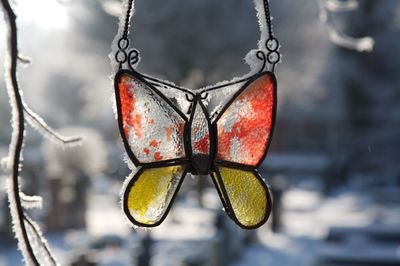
x=166, y=137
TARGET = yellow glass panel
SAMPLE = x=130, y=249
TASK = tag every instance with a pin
x=246, y=194
x=152, y=192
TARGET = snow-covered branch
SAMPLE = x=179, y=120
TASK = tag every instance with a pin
x=327, y=7
x=31, y=243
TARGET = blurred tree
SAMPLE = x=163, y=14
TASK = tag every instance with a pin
x=70, y=172
x=373, y=89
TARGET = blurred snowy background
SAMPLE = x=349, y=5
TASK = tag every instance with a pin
x=334, y=164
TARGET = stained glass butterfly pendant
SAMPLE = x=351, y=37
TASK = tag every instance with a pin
x=166, y=143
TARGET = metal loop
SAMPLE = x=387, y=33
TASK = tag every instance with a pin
x=133, y=58
x=204, y=95
x=272, y=44
x=273, y=57
x=189, y=97
x=121, y=56
x=261, y=55
x=123, y=43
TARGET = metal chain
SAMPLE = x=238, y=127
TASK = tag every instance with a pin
x=127, y=18
x=266, y=10
x=272, y=44
x=268, y=19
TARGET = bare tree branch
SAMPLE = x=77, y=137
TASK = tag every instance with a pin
x=40, y=125
x=33, y=246
x=18, y=132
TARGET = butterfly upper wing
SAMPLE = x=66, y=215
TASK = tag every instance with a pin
x=151, y=127
x=244, y=126
x=244, y=194
x=150, y=192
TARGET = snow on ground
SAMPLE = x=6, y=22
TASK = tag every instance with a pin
x=188, y=231
x=307, y=219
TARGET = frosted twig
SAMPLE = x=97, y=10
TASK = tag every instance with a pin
x=365, y=44
x=30, y=240
x=30, y=202
x=17, y=136
x=39, y=235
x=23, y=59
x=341, y=6
x=46, y=131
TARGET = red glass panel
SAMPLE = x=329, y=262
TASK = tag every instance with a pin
x=244, y=128
x=154, y=130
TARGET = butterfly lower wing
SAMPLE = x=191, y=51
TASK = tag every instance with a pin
x=245, y=125
x=151, y=127
x=149, y=194
x=244, y=194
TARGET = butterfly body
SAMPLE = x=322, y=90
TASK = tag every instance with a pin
x=167, y=141
x=201, y=140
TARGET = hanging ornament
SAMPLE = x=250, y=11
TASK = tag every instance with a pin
x=222, y=131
